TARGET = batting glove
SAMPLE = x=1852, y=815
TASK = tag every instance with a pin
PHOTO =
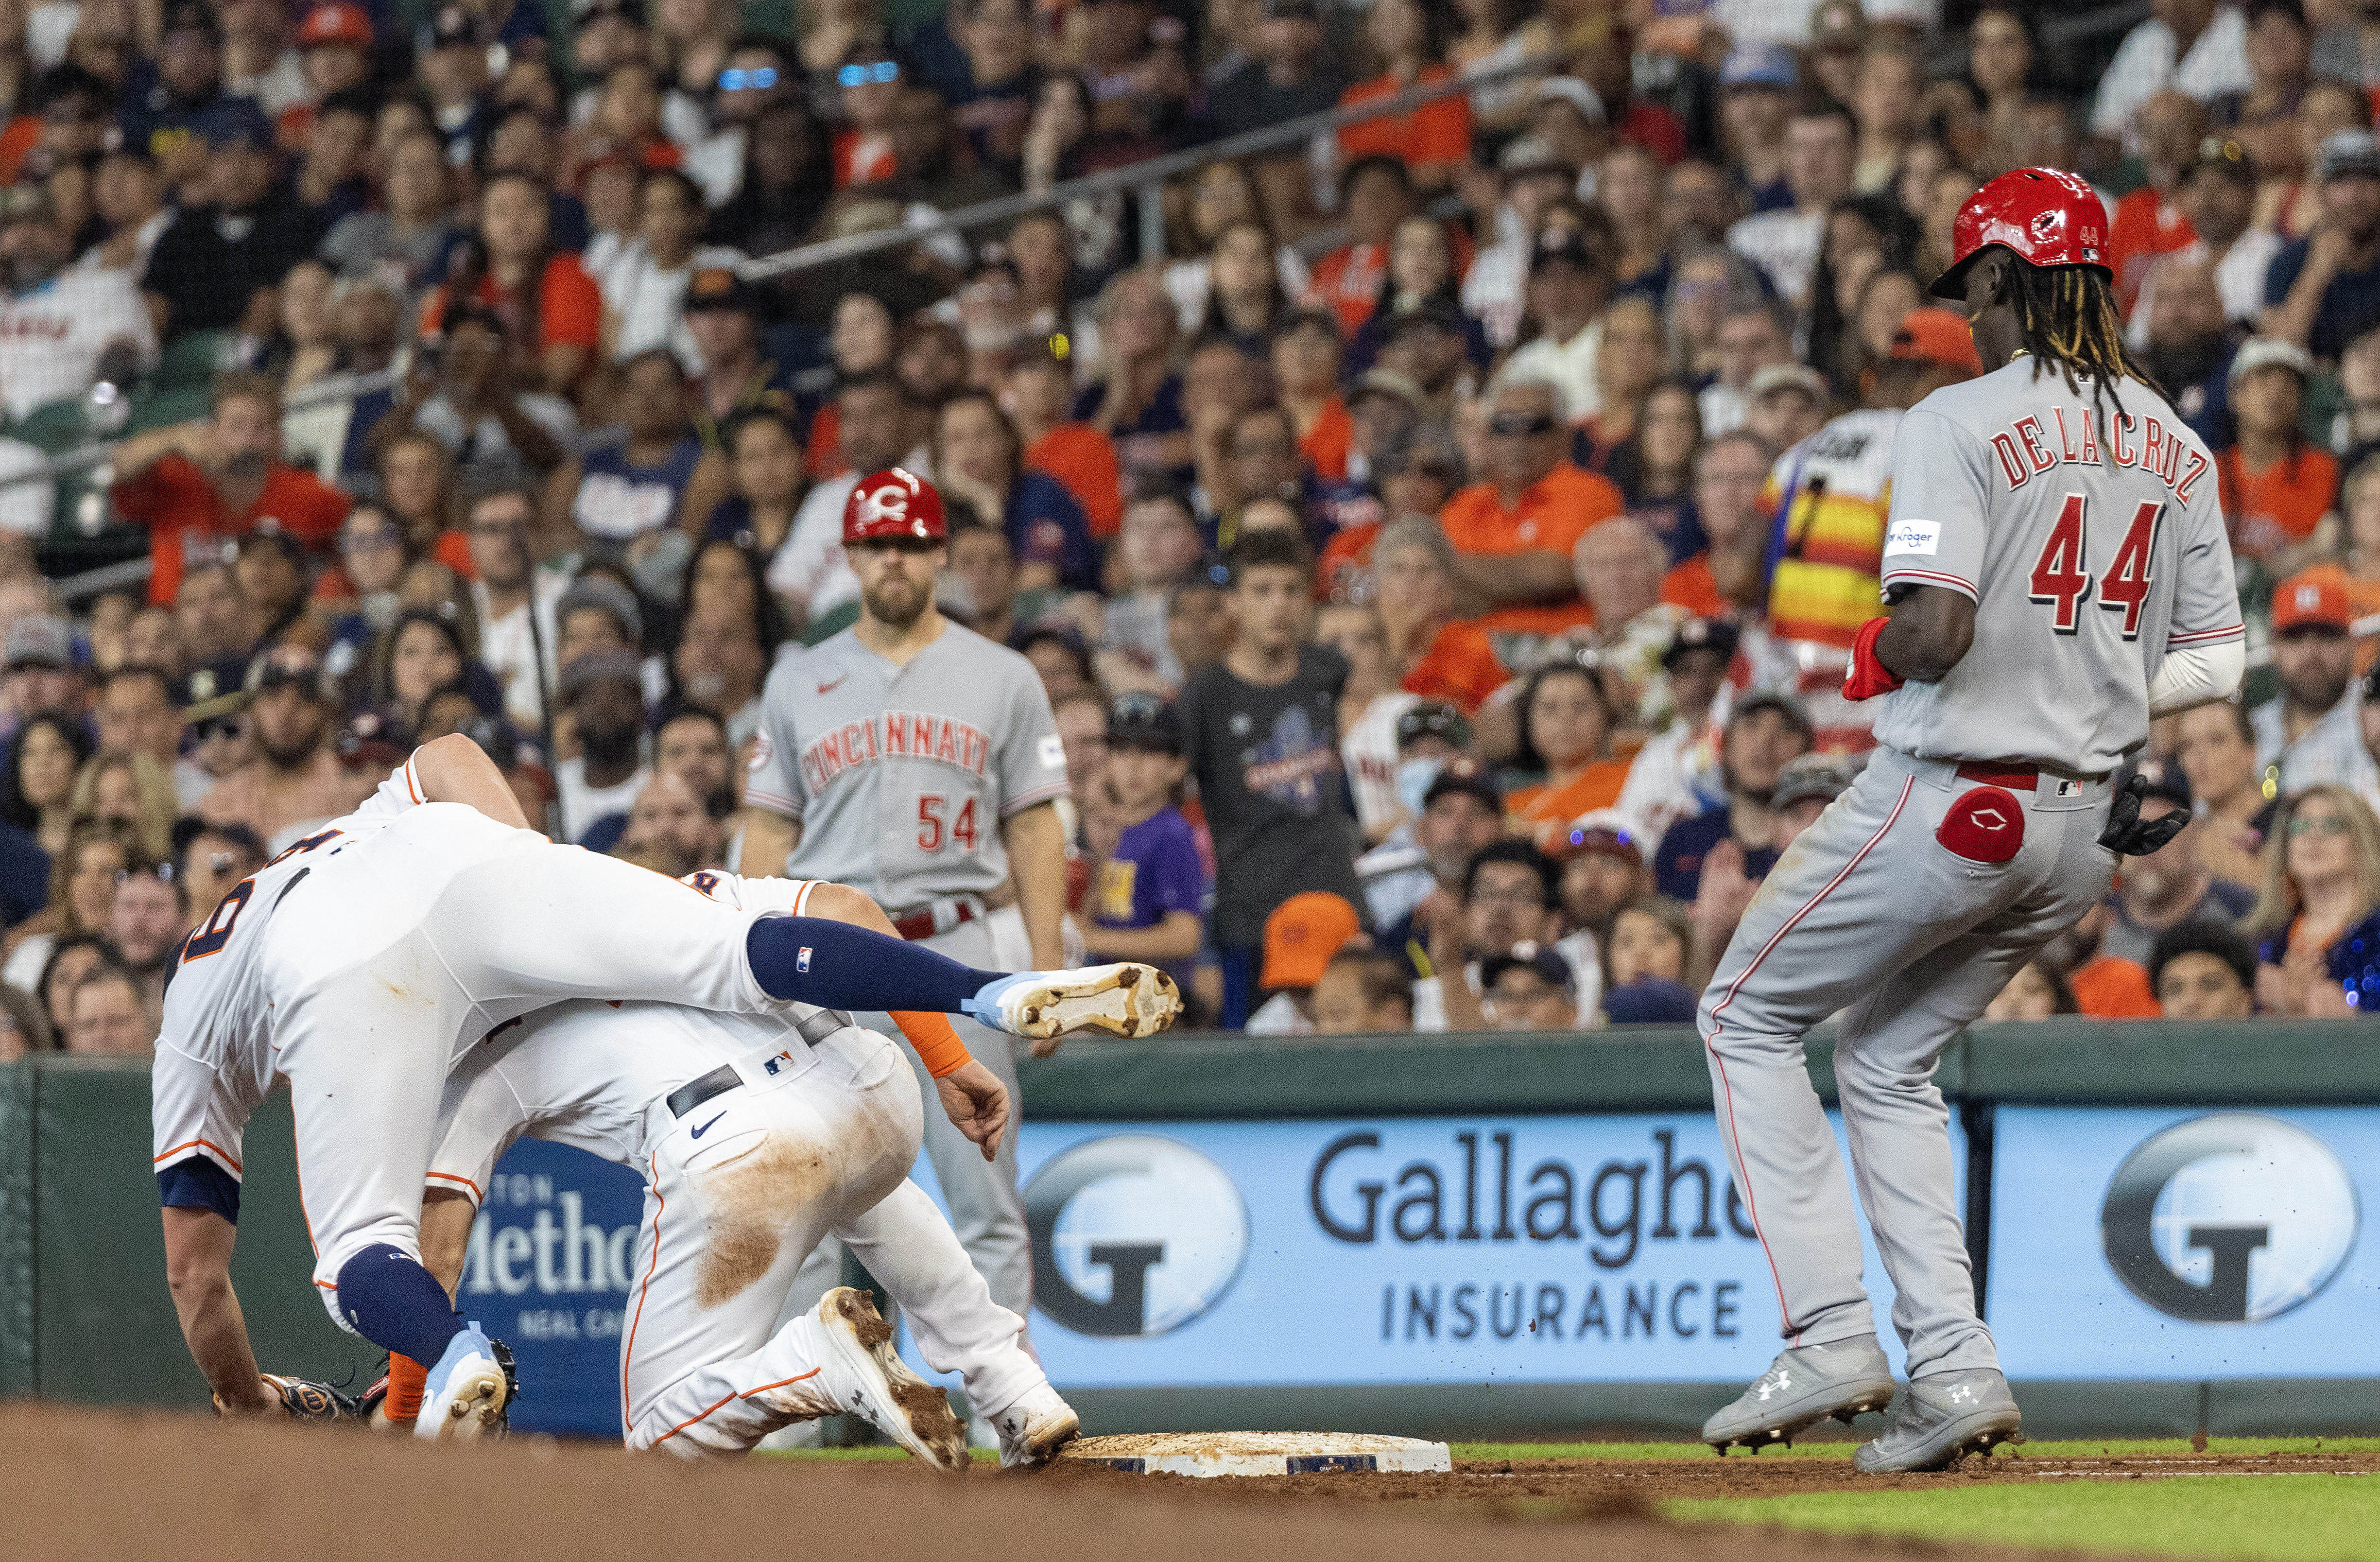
x=1868, y=677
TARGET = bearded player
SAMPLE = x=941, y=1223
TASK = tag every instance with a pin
x=2059, y=575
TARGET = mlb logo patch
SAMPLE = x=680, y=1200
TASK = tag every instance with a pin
x=801, y=960
x=774, y=1064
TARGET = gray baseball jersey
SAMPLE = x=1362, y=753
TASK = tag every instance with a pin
x=2090, y=541
x=901, y=777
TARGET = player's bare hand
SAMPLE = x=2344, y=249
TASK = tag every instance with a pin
x=266, y=1402
x=978, y=1105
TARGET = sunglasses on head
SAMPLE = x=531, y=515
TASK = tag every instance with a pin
x=1520, y=425
x=860, y=75
x=758, y=80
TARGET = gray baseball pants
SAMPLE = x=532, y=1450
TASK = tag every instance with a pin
x=1870, y=914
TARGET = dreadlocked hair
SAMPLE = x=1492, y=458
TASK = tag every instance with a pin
x=2067, y=316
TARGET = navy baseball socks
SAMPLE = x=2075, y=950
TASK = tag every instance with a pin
x=835, y=965
x=394, y=1302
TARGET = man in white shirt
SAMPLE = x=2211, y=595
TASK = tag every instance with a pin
x=1821, y=152
x=56, y=323
x=878, y=422
x=1494, y=289
x=2220, y=195
x=1570, y=279
x=2191, y=45
x=510, y=646
x=604, y=691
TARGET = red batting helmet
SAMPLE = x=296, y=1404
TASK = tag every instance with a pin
x=891, y=504
x=2039, y=216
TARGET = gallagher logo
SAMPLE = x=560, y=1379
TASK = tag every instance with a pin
x=1133, y=1234
x=2229, y=1219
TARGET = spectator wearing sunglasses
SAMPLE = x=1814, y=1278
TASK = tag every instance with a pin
x=2319, y=913
x=870, y=82
x=1516, y=530
x=755, y=78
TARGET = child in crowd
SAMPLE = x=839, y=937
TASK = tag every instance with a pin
x=1148, y=900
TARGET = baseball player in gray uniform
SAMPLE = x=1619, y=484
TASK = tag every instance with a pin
x=2057, y=561
x=916, y=762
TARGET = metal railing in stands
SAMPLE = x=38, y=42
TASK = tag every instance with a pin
x=1146, y=179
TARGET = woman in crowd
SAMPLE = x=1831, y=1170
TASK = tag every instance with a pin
x=979, y=460
x=1655, y=468
x=82, y=893
x=1422, y=269
x=2263, y=118
x=1369, y=707
x=1223, y=195
x=2289, y=202
x=764, y=461
x=2000, y=60
x=1566, y=725
x=728, y=580
x=788, y=179
x=422, y=655
x=2276, y=485
x=303, y=352
x=135, y=794
x=552, y=310
x=71, y=958
x=1706, y=284
x=1884, y=300
x=407, y=241
x=43, y=759
x=1644, y=965
x=1433, y=140
x=1246, y=299
x=1137, y=398
x=1628, y=364
x=2319, y=913
x=1631, y=187
x=1863, y=235
x=861, y=334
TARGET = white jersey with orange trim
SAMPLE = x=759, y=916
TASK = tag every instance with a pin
x=2090, y=541
x=215, y=1059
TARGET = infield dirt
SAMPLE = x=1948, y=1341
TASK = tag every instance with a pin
x=91, y=1483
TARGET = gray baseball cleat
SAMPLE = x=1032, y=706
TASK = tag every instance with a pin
x=1802, y=1388
x=1942, y=1419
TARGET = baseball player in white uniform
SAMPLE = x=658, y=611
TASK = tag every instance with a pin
x=757, y=1136
x=914, y=761
x=2057, y=564
x=371, y=955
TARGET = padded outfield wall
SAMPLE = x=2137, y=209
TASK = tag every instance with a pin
x=1446, y=1235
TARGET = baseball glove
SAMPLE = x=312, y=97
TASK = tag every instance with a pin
x=2127, y=834
x=308, y=1401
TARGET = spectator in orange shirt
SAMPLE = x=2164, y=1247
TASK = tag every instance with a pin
x=1515, y=531
x=1377, y=194
x=216, y=478
x=2277, y=487
x=1441, y=656
x=1433, y=140
x=1037, y=392
x=1566, y=722
x=552, y=312
x=2150, y=222
x=1306, y=354
x=1727, y=577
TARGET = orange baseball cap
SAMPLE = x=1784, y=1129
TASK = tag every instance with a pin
x=1301, y=935
x=1936, y=336
x=2315, y=599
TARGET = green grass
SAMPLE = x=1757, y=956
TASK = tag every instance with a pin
x=2261, y=1518
x=2137, y=1448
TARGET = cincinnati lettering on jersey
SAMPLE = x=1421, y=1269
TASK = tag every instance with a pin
x=2031, y=446
x=894, y=735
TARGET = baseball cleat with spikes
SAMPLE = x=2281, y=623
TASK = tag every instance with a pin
x=1801, y=1389
x=469, y=1393
x=1035, y=1428
x=864, y=1375
x=1940, y=1420
x=1131, y=999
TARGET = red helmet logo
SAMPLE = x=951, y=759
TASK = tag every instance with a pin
x=2043, y=217
x=894, y=503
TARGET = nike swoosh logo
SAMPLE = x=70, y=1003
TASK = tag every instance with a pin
x=830, y=688
x=707, y=1127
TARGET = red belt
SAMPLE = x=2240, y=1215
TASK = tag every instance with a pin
x=920, y=924
x=2019, y=778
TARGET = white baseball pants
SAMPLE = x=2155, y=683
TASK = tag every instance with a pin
x=739, y=1192
x=396, y=953
x=1871, y=913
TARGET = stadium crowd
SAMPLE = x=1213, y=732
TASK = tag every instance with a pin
x=1441, y=560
